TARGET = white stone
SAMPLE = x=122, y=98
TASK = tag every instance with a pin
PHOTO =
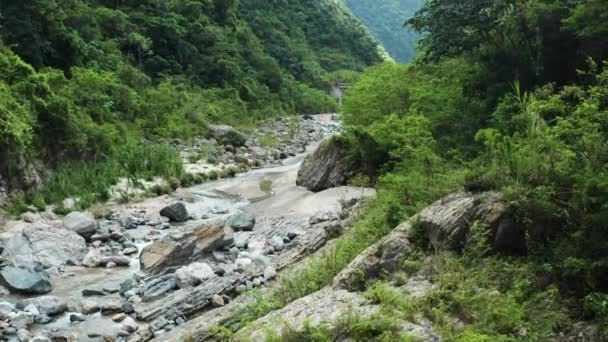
x=193, y=274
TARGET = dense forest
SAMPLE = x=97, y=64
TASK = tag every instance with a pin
x=80, y=78
x=508, y=96
x=505, y=98
x=385, y=19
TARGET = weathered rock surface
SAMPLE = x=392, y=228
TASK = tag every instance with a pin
x=241, y=221
x=44, y=244
x=47, y=305
x=325, y=168
x=193, y=274
x=324, y=306
x=178, y=248
x=176, y=212
x=448, y=221
x=25, y=281
x=81, y=223
x=385, y=256
x=227, y=135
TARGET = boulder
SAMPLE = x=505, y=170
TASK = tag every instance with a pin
x=92, y=259
x=175, y=212
x=19, y=280
x=226, y=135
x=448, y=221
x=44, y=244
x=384, y=257
x=241, y=221
x=180, y=247
x=81, y=223
x=193, y=274
x=47, y=305
x=325, y=168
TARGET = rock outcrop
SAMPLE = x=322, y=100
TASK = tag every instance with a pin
x=447, y=222
x=180, y=247
x=325, y=168
x=383, y=257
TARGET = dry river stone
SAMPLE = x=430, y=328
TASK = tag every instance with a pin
x=20, y=280
x=175, y=212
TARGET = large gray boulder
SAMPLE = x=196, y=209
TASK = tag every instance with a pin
x=46, y=245
x=81, y=223
x=20, y=280
x=47, y=305
x=325, y=168
x=241, y=221
x=175, y=212
x=180, y=247
x=448, y=221
x=226, y=135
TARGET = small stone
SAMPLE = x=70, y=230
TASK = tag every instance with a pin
x=23, y=335
x=111, y=264
x=21, y=320
x=291, y=236
x=42, y=319
x=88, y=307
x=32, y=309
x=129, y=325
x=269, y=273
x=127, y=307
x=243, y=263
x=6, y=309
x=249, y=285
x=92, y=292
x=217, y=301
x=40, y=339
x=92, y=259
x=119, y=317
x=111, y=308
x=277, y=243
x=241, y=288
x=77, y=317
x=257, y=282
x=129, y=251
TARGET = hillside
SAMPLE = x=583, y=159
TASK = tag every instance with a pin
x=80, y=78
x=386, y=19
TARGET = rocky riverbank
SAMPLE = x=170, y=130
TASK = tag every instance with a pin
x=143, y=269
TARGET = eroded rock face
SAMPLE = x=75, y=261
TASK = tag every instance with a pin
x=448, y=221
x=325, y=168
x=385, y=256
x=178, y=248
x=47, y=245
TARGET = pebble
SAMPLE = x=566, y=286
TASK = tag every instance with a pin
x=217, y=301
x=76, y=317
x=119, y=317
x=88, y=307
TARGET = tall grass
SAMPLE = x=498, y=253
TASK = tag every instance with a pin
x=90, y=182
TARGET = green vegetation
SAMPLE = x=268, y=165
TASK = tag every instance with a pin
x=507, y=96
x=81, y=79
x=385, y=19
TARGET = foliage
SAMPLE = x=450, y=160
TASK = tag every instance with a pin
x=79, y=78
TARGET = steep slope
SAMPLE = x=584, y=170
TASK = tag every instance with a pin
x=80, y=78
x=385, y=19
